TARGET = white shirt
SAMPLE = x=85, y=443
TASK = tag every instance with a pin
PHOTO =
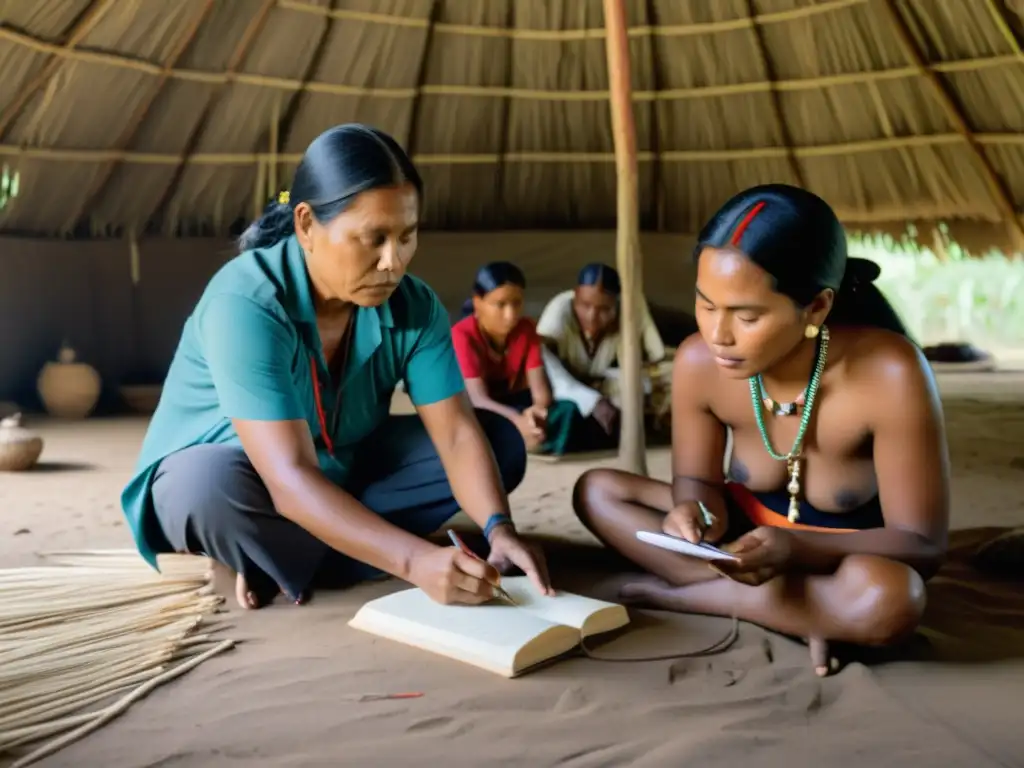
x=571, y=361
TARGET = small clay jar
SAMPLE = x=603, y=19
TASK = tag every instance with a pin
x=20, y=448
x=69, y=389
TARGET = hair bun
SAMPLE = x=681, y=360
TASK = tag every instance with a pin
x=860, y=272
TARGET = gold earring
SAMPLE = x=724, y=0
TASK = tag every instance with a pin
x=811, y=331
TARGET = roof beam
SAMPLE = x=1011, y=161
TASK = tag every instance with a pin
x=768, y=68
x=412, y=134
x=1000, y=15
x=123, y=61
x=135, y=122
x=503, y=121
x=592, y=33
x=657, y=81
x=841, y=149
x=81, y=28
x=249, y=36
x=1000, y=193
x=286, y=123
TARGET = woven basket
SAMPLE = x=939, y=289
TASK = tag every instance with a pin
x=19, y=448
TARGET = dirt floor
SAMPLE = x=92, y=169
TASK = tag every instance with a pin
x=269, y=702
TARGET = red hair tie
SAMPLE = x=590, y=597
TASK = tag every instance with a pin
x=744, y=223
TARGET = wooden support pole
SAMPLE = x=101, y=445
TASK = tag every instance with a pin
x=632, y=447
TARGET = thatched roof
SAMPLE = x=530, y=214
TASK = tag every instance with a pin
x=189, y=113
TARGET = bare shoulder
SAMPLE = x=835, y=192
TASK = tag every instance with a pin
x=876, y=352
x=694, y=372
x=890, y=365
x=693, y=358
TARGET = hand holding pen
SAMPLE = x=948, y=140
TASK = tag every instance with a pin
x=691, y=520
x=454, y=575
x=499, y=591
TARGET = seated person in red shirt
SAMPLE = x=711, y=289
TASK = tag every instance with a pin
x=499, y=352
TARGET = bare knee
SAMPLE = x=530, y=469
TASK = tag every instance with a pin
x=596, y=494
x=884, y=600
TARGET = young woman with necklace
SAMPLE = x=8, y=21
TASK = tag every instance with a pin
x=835, y=497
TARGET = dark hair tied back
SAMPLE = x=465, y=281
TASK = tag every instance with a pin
x=491, y=277
x=796, y=237
x=601, y=276
x=276, y=223
x=337, y=166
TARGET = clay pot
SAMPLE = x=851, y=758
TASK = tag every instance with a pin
x=19, y=448
x=69, y=389
x=142, y=398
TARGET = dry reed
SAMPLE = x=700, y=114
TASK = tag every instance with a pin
x=85, y=636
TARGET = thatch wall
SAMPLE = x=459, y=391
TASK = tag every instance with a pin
x=121, y=112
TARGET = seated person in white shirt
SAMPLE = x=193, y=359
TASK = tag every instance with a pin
x=580, y=332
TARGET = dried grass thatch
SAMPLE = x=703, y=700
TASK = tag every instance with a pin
x=190, y=113
x=83, y=638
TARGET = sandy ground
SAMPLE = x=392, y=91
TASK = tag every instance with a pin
x=273, y=701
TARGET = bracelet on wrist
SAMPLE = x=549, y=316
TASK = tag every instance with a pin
x=495, y=521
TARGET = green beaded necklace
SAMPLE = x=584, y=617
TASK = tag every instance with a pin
x=792, y=458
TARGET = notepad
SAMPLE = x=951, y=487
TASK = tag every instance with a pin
x=507, y=640
x=703, y=550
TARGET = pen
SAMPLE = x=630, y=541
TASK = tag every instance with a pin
x=460, y=545
x=709, y=519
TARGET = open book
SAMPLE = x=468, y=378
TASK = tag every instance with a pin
x=499, y=637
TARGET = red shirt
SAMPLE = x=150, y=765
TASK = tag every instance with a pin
x=502, y=373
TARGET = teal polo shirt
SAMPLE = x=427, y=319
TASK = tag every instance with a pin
x=245, y=353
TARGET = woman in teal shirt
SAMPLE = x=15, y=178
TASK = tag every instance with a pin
x=272, y=450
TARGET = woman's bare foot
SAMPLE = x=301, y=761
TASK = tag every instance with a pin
x=248, y=599
x=653, y=591
x=824, y=662
x=657, y=593
x=245, y=597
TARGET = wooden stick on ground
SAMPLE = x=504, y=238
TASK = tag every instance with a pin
x=97, y=624
x=105, y=716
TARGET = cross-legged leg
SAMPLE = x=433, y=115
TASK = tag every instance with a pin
x=868, y=600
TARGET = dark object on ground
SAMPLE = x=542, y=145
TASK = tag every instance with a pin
x=958, y=356
x=1003, y=556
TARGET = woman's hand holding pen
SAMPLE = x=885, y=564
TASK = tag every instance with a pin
x=691, y=520
x=449, y=576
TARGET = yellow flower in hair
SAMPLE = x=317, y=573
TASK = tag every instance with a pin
x=283, y=197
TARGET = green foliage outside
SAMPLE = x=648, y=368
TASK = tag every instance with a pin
x=978, y=298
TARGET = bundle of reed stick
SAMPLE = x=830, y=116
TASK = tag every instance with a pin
x=88, y=634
